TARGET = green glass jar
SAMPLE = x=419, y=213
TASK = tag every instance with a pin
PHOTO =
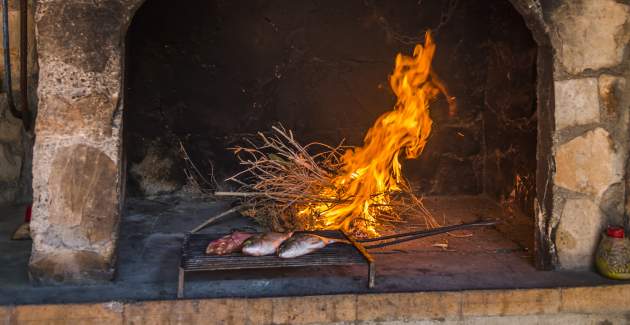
x=613, y=255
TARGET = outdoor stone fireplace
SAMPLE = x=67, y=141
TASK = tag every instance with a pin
x=79, y=162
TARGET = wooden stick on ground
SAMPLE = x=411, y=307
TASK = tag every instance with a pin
x=217, y=217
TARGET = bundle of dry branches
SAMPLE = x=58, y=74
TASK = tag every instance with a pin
x=281, y=177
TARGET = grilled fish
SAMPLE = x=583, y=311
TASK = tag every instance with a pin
x=265, y=243
x=302, y=244
x=228, y=244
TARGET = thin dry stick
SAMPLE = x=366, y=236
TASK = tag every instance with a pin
x=217, y=217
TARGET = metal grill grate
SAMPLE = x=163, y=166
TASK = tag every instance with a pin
x=194, y=259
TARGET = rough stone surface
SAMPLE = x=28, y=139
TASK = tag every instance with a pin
x=576, y=102
x=589, y=305
x=578, y=233
x=605, y=299
x=154, y=174
x=77, y=154
x=91, y=115
x=69, y=266
x=84, y=180
x=590, y=34
x=588, y=164
x=501, y=303
x=81, y=227
x=389, y=307
x=610, y=92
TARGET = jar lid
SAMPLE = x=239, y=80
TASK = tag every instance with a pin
x=615, y=232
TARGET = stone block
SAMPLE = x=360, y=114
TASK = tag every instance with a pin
x=206, y=311
x=77, y=239
x=602, y=299
x=163, y=312
x=564, y=319
x=588, y=164
x=318, y=309
x=89, y=114
x=106, y=314
x=510, y=302
x=590, y=34
x=610, y=92
x=408, y=306
x=578, y=234
x=84, y=180
x=576, y=102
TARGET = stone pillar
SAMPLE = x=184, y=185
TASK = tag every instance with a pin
x=77, y=167
x=590, y=143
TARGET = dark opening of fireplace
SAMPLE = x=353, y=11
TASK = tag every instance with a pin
x=208, y=73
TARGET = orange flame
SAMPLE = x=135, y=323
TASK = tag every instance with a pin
x=372, y=172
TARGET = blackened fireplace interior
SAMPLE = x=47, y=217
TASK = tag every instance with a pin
x=206, y=73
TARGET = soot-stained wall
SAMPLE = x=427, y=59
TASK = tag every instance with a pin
x=207, y=72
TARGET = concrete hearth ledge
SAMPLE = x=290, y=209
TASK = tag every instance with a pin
x=605, y=304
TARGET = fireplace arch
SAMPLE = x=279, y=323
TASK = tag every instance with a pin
x=80, y=125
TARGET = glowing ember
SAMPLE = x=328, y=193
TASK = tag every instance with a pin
x=361, y=190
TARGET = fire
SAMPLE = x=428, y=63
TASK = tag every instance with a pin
x=371, y=173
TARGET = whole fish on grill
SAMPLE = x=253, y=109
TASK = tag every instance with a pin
x=302, y=244
x=265, y=243
x=228, y=244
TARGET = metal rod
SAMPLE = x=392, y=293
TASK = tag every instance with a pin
x=7, y=59
x=424, y=233
x=368, y=258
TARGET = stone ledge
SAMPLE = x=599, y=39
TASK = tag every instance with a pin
x=581, y=305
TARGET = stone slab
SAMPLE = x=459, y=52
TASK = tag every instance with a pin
x=569, y=305
x=588, y=164
x=578, y=234
x=576, y=102
x=590, y=34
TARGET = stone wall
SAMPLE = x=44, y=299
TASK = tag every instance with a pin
x=590, y=143
x=78, y=165
x=15, y=142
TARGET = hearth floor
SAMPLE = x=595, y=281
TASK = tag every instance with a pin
x=152, y=230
